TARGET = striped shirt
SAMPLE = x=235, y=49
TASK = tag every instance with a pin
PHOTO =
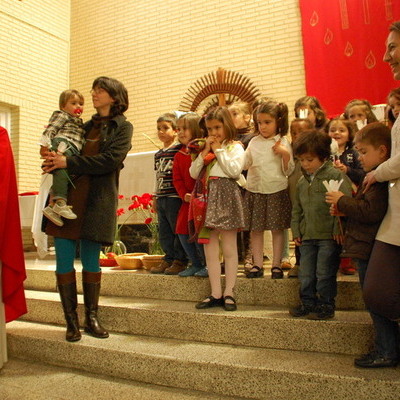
x=163, y=162
x=61, y=124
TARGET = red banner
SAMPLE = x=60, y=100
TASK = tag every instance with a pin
x=344, y=44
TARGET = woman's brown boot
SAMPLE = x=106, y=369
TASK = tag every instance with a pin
x=66, y=284
x=91, y=291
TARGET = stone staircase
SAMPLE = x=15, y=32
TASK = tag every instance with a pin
x=257, y=352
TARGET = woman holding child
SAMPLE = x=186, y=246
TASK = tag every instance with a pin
x=94, y=199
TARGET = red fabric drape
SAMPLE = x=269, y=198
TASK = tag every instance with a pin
x=344, y=44
x=11, y=248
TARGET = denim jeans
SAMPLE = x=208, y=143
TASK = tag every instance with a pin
x=167, y=213
x=386, y=331
x=194, y=251
x=319, y=264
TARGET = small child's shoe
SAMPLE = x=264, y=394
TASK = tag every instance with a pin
x=322, y=312
x=61, y=208
x=203, y=273
x=346, y=267
x=293, y=272
x=285, y=264
x=189, y=271
x=52, y=216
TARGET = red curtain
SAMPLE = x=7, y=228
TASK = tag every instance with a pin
x=344, y=44
x=11, y=248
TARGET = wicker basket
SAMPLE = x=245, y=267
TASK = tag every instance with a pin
x=130, y=260
x=150, y=261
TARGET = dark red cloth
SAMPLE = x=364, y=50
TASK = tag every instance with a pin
x=11, y=248
x=344, y=44
x=183, y=184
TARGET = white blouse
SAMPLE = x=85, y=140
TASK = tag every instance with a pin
x=230, y=162
x=390, y=171
x=266, y=173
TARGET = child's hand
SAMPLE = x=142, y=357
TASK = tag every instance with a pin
x=333, y=197
x=337, y=164
x=279, y=148
x=187, y=197
x=297, y=241
x=339, y=239
x=215, y=145
x=335, y=212
x=44, y=151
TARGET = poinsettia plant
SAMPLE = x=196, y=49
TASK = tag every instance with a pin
x=143, y=205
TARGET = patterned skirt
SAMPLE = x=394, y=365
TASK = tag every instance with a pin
x=267, y=212
x=225, y=205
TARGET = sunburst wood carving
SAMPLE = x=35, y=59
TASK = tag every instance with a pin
x=224, y=86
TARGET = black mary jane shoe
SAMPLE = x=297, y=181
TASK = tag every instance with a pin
x=209, y=302
x=230, y=306
x=276, y=273
x=258, y=273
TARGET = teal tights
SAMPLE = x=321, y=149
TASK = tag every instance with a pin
x=65, y=255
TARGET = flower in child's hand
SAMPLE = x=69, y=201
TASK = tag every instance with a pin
x=332, y=185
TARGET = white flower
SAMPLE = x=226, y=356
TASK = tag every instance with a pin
x=332, y=185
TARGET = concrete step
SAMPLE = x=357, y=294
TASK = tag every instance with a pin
x=262, y=291
x=249, y=372
x=27, y=380
x=350, y=332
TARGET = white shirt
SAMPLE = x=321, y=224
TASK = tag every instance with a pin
x=266, y=173
x=390, y=171
x=230, y=162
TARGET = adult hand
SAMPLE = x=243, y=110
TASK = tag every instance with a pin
x=339, y=239
x=54, y=161
x=369, y=180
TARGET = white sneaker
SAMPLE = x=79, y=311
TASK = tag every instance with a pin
x=52, y=216
x=62, y=209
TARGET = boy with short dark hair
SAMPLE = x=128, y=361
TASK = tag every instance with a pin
x=365, y=212
x=316, y=232
x=167, y=201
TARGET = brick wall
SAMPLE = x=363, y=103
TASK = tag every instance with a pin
x=158, y=48
x=33, y=71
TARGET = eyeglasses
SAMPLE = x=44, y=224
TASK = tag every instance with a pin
x=97, y=91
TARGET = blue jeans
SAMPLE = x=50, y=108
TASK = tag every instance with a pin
x=319, y=264
x=65, y=255
x=167, y=214
x=386, y=331
x=194, y=251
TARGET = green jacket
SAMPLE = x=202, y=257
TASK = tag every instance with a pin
x=310, y=213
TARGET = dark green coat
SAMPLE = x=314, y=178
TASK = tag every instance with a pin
x=97, y=221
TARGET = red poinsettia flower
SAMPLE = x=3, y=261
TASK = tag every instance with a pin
x=120, y=211
x=121, y=197
x=148, y=221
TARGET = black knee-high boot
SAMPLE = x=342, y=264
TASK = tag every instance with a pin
x=66, y=284
x=91, y=291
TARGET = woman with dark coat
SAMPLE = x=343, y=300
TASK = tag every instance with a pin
x=95, y=174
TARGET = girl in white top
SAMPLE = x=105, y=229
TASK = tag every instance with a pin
x=224, y=214
x=269, y=161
